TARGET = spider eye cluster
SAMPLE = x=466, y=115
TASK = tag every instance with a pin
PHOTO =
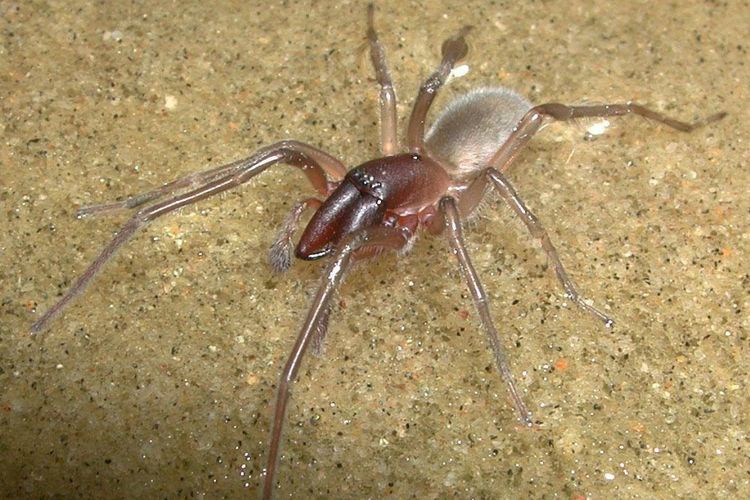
x=366, y=183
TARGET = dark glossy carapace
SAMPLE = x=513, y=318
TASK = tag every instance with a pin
x=397, y=185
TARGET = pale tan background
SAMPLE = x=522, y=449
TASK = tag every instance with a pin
x=159, y=381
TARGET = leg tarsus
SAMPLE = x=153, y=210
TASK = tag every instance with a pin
x=82, y=282
x=132, y=202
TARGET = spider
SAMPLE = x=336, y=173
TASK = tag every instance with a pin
x=379, y=205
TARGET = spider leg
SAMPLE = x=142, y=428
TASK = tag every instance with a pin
x=534, y=118
x=388, y=132
x=317, y=158
x=481, y=301
x=191, y=180
x=511, y=197
x=472, y=196
x=280, y=255
x=382, y=237
x=454, y=49
x=292, y=152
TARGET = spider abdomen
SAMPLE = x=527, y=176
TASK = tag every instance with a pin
x=470, y=130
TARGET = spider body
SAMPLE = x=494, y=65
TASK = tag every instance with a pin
x=405, y=189
x=387, y=191
x=379, y=205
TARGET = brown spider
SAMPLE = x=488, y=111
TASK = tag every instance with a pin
x=380, y=204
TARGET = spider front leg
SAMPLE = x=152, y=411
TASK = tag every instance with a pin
x=381, y=237
x=192, y=180
x=452, y=221
x=333, y=167
x=454, y=49
x=310, y=160
x=388, y=130
x=534, y=118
